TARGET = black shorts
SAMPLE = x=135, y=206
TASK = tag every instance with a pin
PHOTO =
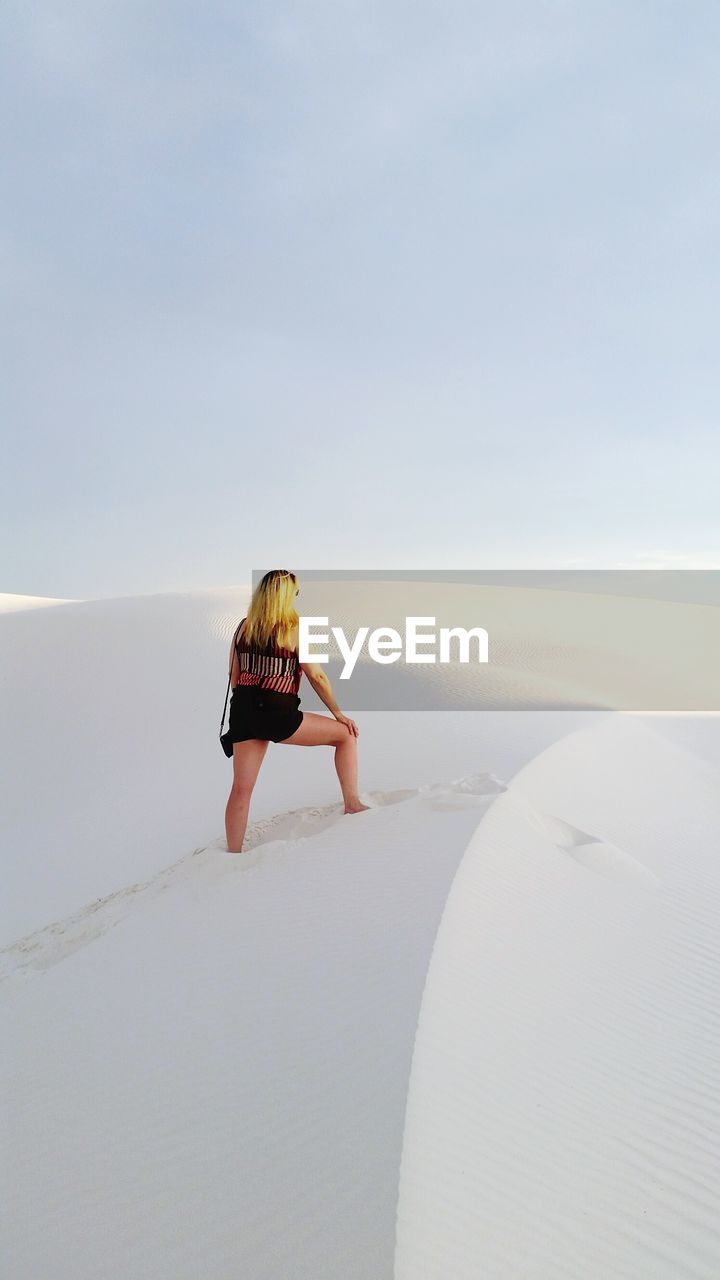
x=263, y=713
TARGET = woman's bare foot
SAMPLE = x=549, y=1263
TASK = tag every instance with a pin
x=355, y=806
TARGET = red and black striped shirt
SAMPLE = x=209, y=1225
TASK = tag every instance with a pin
x=270, y=668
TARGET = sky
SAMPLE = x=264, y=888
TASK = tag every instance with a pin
x=330, y=284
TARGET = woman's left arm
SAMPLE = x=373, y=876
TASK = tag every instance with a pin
x=234, y=665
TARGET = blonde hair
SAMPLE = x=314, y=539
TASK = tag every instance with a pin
x=271, y=615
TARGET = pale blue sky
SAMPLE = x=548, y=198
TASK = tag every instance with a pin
x=336, y=284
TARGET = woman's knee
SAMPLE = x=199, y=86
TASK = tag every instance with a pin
x=242, y=790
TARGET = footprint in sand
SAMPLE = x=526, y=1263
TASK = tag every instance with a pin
x=298, y=824
x=590, y=851
x=473, y=792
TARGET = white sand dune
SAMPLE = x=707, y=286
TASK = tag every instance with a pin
x=563, y=1110
x=208, y=1057
x=14, y=604
x=208, y=1071
x=110, y=766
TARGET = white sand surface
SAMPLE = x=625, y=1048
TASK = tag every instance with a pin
x=208, y=1073
x=482, y=1014
x=563, y=1112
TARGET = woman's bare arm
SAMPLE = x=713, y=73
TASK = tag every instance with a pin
x=324, y=690
x=234, y=666
x=322, y=687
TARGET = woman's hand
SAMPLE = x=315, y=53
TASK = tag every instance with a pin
x=352, y=727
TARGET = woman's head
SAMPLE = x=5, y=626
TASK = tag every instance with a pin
x=272, y=614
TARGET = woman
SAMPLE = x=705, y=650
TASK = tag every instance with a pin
x=265, y=674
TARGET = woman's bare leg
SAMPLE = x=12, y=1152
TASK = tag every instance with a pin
x=326, y=731
x=247, y=758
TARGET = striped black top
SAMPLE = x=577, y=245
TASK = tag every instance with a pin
x=269, y=668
